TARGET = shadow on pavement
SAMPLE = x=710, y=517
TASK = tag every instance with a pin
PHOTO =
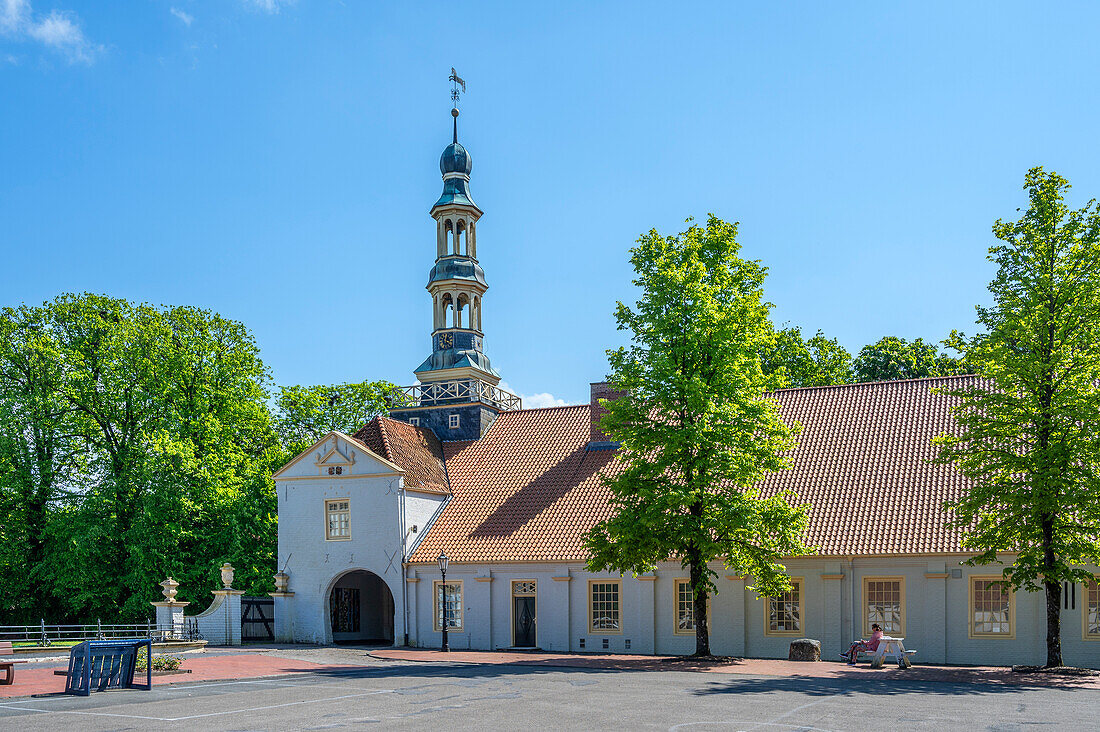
x=881, y=686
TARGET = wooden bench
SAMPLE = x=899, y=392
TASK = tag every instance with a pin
x=8, y=664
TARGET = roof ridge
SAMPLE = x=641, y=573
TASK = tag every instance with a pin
x=543, y=409
x=385, y=437
x=874, y=383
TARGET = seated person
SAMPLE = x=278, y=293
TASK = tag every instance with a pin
x=868, y=646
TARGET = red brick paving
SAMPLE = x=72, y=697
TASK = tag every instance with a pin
x=30, y=681
x=994, y=675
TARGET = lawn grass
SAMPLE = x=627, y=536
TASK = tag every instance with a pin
x=54, y=644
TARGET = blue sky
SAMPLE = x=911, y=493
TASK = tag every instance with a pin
x=275, y=161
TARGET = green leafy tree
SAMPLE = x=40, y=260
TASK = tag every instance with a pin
x=1029, y=439
x=135, y=442
x=38, y=453
x=304, y=414
x=896, y=358
x=696, y=430
x=819, y=361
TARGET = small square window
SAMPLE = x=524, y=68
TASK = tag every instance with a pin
x=582, y=643
x=452, y=421
x=414, y=421
x=628, y=644
x=606, y=643
x=337, y=520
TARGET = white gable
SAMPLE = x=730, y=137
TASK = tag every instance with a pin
x=337, y=455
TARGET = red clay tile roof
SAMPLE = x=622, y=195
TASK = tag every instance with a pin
x=415, y=449
x=529, y=491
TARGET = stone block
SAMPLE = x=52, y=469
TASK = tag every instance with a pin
x=805, y=649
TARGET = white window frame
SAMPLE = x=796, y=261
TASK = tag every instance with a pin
x=1089, y=591
x=592, y=629
x=414, y=421
x=460, y=619
x=901, y=606
x=677, y=585
x=798, y=586
x=971, y=608
x=330, y=512
x=454, y=421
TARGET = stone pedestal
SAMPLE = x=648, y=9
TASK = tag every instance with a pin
x=284, y=616
x=805, y=649
x=170, y=618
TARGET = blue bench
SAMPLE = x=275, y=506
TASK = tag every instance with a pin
x=108, y=664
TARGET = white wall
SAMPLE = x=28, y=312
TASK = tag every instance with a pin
x=936, y=612
x=313, y=563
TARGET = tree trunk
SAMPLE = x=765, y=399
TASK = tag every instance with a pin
x=1054, y=597
x=1054, y=623
x=699, y=609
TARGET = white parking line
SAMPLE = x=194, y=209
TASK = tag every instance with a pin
x=196, y=716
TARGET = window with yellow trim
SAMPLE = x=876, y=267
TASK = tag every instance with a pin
x=604, y=613
x=884, y=603
x=1092, y=610
x=990, y=607
x=785, y=611
x=448, y=605
x=685, y=608
x=338, y=519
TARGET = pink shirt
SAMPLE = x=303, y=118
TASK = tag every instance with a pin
x=876, y=636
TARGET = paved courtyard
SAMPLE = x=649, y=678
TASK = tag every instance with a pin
x=354, y=690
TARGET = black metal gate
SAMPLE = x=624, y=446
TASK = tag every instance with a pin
x=257, y=619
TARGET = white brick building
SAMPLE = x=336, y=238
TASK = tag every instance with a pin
x=509, y=494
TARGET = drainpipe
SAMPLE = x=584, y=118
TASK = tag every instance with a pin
x=404, y=547
x=857, y=624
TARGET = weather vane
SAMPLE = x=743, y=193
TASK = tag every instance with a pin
x=458, y=86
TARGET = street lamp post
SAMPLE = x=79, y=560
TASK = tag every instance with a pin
x=442, y=559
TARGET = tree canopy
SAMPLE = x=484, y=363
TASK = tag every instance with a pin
x=138, y=442
x=696, y=430
x=893, y=358
x=304, y=414
x=795, y=361
x=1029, y=437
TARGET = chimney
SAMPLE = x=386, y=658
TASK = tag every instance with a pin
x=597, y=440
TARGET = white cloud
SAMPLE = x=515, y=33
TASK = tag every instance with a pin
x=187, y=18
x=535, y=401
x=268, y=6
x=14, y=14
x=59, y=30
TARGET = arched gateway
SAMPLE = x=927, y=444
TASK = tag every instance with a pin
x=360, y=609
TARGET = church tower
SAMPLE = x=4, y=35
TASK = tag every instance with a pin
x=456, y=282
x=457, y=397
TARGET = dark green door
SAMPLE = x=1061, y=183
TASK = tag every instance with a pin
x=523, y=622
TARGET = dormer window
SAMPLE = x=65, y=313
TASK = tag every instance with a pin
x=452, y=421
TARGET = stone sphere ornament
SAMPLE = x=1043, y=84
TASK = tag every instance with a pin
x=169, y=590
x=227, y=575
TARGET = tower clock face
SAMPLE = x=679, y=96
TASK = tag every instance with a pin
x=447, y=340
